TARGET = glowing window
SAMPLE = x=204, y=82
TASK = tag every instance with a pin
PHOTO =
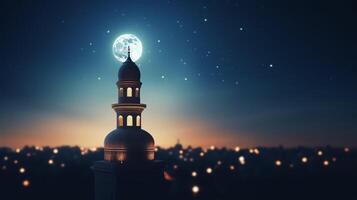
x=138, y=120
x=129, y=120
x=120, y=120
x=129, y=92
x=137, y=92
x=121, y=92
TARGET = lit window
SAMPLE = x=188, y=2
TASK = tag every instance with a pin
x=121, y=92
x=129, y=92
x=129, y=120
x=120, y=120
x=138, y=121
x=137, y=92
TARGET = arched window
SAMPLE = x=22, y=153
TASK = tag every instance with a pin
x=129, y=120
x=137, y=92
x=138, y=120
x=120, y=120
x=121, y=92
x=129, y=92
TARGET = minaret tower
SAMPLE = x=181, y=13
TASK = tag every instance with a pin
x=129, y=170
x=128, y=142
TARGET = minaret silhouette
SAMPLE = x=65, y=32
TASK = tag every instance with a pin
x=129, y=170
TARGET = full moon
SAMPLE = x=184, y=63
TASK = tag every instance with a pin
x=121, y=44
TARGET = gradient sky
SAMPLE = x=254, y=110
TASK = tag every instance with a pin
x=219, y=72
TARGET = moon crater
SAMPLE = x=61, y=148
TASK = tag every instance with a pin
x=121, y=44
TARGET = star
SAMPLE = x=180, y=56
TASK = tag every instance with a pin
x=241, y=28
x=185, y=78
x=236, y=82
x=205, y=19
x=99, y=78
x=163, y=77
x=271, y=65
x=108, y=31
x=90, y=43
x=217, y=66
x=158, y=41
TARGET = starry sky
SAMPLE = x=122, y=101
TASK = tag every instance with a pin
x=224, y=72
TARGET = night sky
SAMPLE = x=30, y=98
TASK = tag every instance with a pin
x=221, y=73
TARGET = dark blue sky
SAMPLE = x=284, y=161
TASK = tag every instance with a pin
x=213, y=72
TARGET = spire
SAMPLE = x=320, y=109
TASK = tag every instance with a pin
x=128, y=51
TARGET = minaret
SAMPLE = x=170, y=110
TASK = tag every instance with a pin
x=129, y=170
x=129, y=143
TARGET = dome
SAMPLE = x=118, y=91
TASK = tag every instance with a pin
x=129, y=71
x=129, y=144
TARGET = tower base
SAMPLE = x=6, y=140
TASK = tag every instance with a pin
x=129, y=181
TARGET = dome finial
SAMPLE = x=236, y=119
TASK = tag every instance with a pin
x=128, y=51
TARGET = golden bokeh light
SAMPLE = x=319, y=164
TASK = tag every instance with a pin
x=26, y=183
x=22, y=170
x=304, y=160
x=195, y=189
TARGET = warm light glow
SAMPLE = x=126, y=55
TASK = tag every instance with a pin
x=320, y=153
x=209, y=170
x=194, y=174
x=26, y=183
x=195, y=189
x=6, y=158
x=120, y=120
x=18, y=150
x=167, y=176
x=231, y=167
x=22, y=170
x=175, y=167
x=326, y=163
x=241, y=160
x=129, y=120
x=55, y=151
x=136, y=92
x=346, y=149
x=278, y=163
x=251, y=151
x=212, y=147
x=219, y=162
x=15, y=162
x=62, y=165
x=237, y=149
x=138, y=121
x=181, y=152
x=202, y=154
x=304, y=159
x=256, y=151
x=129, y=92
x=50, y=161
x=334, y=159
